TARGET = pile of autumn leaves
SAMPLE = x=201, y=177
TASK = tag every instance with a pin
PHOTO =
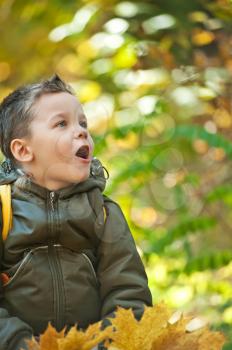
x=158, y=329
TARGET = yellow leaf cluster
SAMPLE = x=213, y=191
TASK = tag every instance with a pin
x=155, y=331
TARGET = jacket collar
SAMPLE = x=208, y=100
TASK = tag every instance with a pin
x=96, y=179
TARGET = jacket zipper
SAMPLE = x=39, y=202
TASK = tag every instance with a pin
x=52, y=199
x=55, y=267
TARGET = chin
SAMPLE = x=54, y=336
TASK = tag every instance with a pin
x=75, y=175
x=83, y=177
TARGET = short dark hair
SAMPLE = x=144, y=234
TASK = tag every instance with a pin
x=16, y=112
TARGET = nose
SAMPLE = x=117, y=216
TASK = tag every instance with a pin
x=80, y=132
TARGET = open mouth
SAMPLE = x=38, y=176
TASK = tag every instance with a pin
x=83, y=152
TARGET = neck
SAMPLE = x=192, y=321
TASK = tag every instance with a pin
x=45, y=181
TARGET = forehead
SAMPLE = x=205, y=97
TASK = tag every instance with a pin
x=50, y=104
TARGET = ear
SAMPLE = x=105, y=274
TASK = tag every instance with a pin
x=21, y=150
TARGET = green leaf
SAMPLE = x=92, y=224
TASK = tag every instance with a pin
x=193, y=132
x=220, y=193
x=210, y=261
x=182, y=230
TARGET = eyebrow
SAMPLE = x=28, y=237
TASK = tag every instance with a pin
x=56, y=116
x=64, y=115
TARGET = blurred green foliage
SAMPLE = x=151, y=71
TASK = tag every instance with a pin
x=155, y=81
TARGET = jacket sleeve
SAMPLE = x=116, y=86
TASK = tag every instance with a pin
x=13, y=331
x=122, y=277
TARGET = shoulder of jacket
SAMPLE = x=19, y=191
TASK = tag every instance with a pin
x=111, y=205
x=108, y=200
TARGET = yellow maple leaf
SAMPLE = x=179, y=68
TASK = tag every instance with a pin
x=32, y=344
x=49, y=340
x=211, y=340
x=155, y=331
x=176, y=337
x=131, y=334
x=84, y=340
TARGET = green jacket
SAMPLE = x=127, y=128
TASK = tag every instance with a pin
x=67, y=263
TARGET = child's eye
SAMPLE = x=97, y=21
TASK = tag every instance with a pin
x=62, y=123
x=84, y=123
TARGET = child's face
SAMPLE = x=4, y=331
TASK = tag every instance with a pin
x=58, y=130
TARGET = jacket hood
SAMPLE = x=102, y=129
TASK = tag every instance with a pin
x=96, y=179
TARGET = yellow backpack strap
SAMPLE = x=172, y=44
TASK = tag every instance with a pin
x=5, y=197
x=104, y=213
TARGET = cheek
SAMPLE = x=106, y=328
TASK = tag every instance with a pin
x=63, y=147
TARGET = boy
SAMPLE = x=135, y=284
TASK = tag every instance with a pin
x=69, y=257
